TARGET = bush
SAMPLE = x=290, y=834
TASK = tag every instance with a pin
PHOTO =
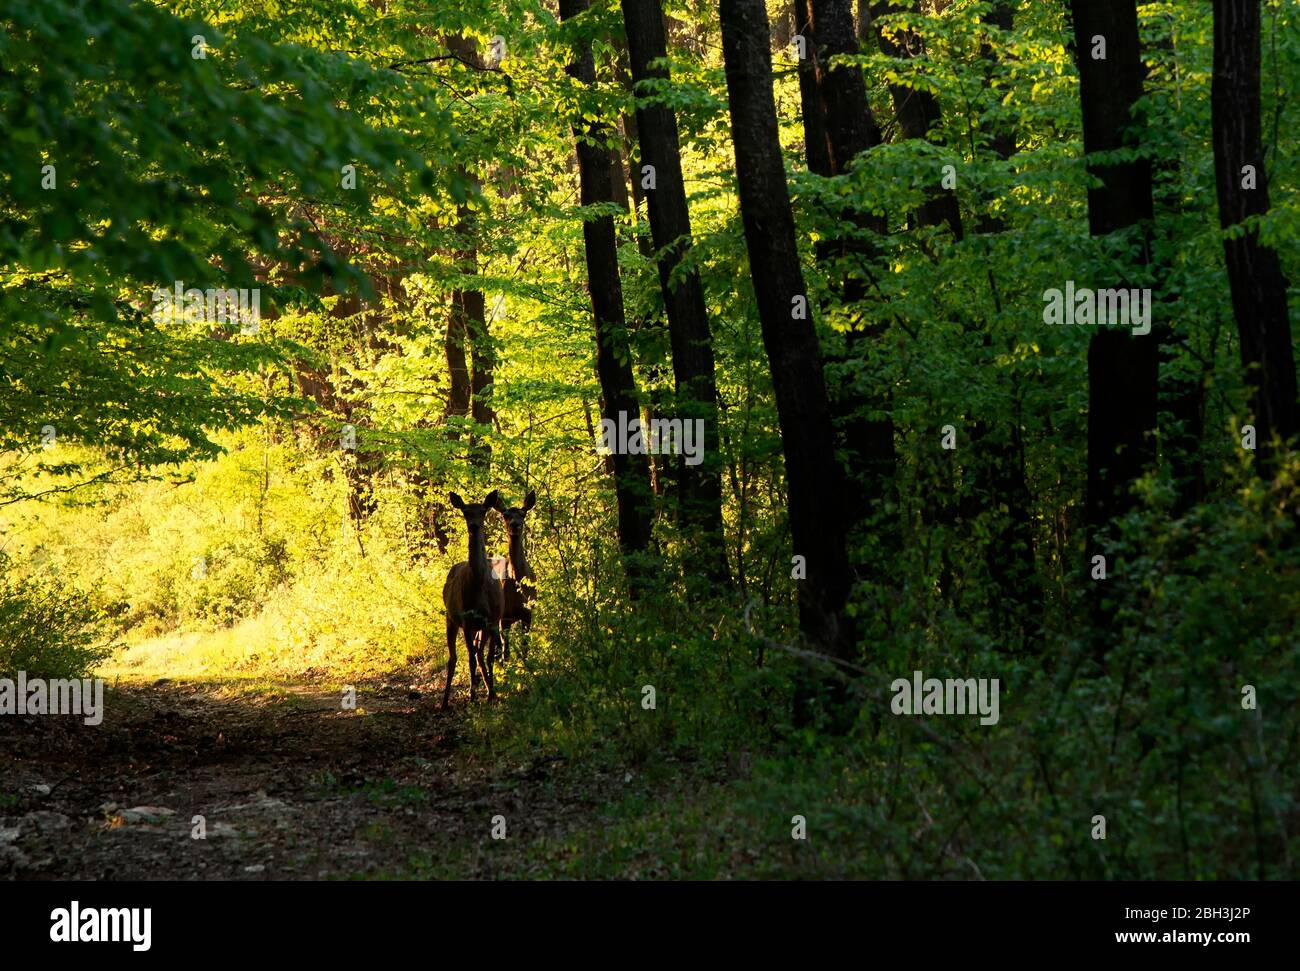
x=47, y=630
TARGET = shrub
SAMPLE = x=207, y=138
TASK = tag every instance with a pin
x=47, y=629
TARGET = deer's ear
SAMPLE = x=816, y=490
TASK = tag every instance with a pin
x=457, y=501
x=492, y=500
x=530, y=500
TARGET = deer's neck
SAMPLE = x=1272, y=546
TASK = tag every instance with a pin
x=518, y=561
x=478, y=561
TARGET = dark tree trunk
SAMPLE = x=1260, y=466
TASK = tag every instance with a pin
x=1122, y=369
x=839, y=126
x=481, y=372
x=1002, y=136
x=816, y=147
x=1254, y=272
x=473, y=397
x=699, y=486
x=471, y=387
x=917, y=112
x=458, y=397
x=862, y=22
x=613, y=354
x=850, y=126
x=813, y=476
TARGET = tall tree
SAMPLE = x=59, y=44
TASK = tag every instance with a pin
x=816, y=494
x=699, y=486
x=838, y=97
x=613, y=354
x=1122, y=369
x=473, y=306
x=467, y=326
x=838, y=127
x=1002, y=136
x=916, y=110
x=1254, y=272
x=815, y=145
x=465, y=304
x=468, y=303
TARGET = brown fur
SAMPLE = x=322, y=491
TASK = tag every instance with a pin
x=473, y=599
x=517, y=587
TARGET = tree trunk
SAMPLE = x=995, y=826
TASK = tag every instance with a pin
x=699, y=486
x=863, y=22
x=839, y=126
x=473, y=397
x=816, y=147
x=849, y=124
x=1122, y=369
x=481, y=373
x=613, y=354
x=917, y=112
x=813, y=476
x=1254, y=272
x=458, y=397
x=482, y=353
x=471, y=386
x=1002, y=136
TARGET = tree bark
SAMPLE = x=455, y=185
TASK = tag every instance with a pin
x=917, y=112
x=613, y=354
x=813, y=476
x=839, y=126
x=458, y=397
x=482, y=369
x=699, y=486
x=472, y=388
x=467, y=328
x=1254, y=271
x=1122, y=369
x=850, y=126
x=816, y=146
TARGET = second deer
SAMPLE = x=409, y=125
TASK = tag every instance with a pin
x=517, y=585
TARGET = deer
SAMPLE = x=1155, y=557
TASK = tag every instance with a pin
x=516, y=586
x=473, y=598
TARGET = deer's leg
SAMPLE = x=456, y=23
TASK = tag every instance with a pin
x=493, y=639
x=470, y=647
x=451, y=662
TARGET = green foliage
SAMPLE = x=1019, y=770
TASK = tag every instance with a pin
x=47, y=629
x=197, y=498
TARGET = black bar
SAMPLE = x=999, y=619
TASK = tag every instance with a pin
x=917, y=920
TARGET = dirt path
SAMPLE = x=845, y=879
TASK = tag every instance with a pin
x=290, y=785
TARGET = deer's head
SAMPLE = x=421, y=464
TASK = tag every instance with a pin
x=515, y=517
x=475, y=512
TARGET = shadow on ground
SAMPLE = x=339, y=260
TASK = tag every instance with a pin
x=290, y=785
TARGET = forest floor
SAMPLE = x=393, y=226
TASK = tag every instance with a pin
x=291, y=785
